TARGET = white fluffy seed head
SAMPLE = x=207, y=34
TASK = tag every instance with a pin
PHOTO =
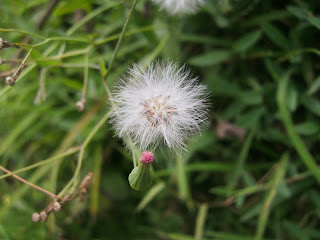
x=179, y=6
x=160, y=105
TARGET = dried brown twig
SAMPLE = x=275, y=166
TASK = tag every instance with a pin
x=56, y=204
x=12, y=80
x=30, y=184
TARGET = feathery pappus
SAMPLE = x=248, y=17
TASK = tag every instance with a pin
x=160, y=105
x=179, y=6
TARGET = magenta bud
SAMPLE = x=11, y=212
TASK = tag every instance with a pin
x=147, y=157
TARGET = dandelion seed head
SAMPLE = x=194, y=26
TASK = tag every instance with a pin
x=179, y=6
x=160, y=105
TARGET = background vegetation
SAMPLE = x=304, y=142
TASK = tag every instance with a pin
x=252, y=175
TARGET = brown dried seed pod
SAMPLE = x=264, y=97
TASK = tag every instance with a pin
x=44, y=216
x=10, y=81
x=36, y=217
x=56, y=206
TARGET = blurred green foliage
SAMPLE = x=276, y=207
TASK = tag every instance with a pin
x=260, y=61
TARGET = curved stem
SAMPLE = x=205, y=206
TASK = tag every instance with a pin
x=74, y=179
x=300, y=147
x=38, y=164
x=30, y=184
x=120, y=38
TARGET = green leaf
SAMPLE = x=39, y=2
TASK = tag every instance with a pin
x=228, y=236
x=151, y=194
x=312, y=104
x=267, y=206
x=275, y=35
x=292, y=98
x=315, y=21
x=210, y=167
x=307, y=128
x=211, y=58
x=247, y=41
x=4, y=233
x=251, y=97
x=67, y=7
x=103, y=69
x=299, y=12
x=314, y=86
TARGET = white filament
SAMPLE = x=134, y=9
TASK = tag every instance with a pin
x=179, y=6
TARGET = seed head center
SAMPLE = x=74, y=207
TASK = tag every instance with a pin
x=157, y=109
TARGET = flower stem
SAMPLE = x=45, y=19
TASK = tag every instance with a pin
x=115, y=52
x=300, y=147
x=104, y=79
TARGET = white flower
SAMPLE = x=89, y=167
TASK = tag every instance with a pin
x=179, y=6
x=160, y=105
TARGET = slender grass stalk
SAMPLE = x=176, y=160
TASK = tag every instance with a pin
x=128, y=33
x=17, y=131
x=67, y=54
x=200, y=221
x=182, y=181
x=85, y=77
x=298, y=52
x=241, y=161
x=115, y=52
x=105, y=77
x=278, y=178
x=154, y=191
x=46, y=161
x=300, y=147
x=23, y=32
x=91, y=15
x=69, y=39
x=75, y=179
x=95, y=186
x=157, y=50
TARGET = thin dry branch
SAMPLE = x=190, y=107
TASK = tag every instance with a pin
x=30, y=184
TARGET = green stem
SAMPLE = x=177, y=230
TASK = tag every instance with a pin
x=74, y=180
x=265, y=211
x=70, y=39
x=91, y=15
x=23, y=32
x=293, y=135
x=115, y=52
x=85, y=77
x=129, y=33
x=239, y=169
x=120, y=38
x=200, y=221
x=38, y=164
x=182, y=181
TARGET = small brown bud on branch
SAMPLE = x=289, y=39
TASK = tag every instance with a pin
x=56, y=206
x=12, y=80
x=6, y=44
x=36, y=217
x=43, y=216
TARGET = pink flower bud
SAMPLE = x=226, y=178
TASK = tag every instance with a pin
x=147, y=157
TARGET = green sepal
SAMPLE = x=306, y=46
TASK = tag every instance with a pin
x=140, y=177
